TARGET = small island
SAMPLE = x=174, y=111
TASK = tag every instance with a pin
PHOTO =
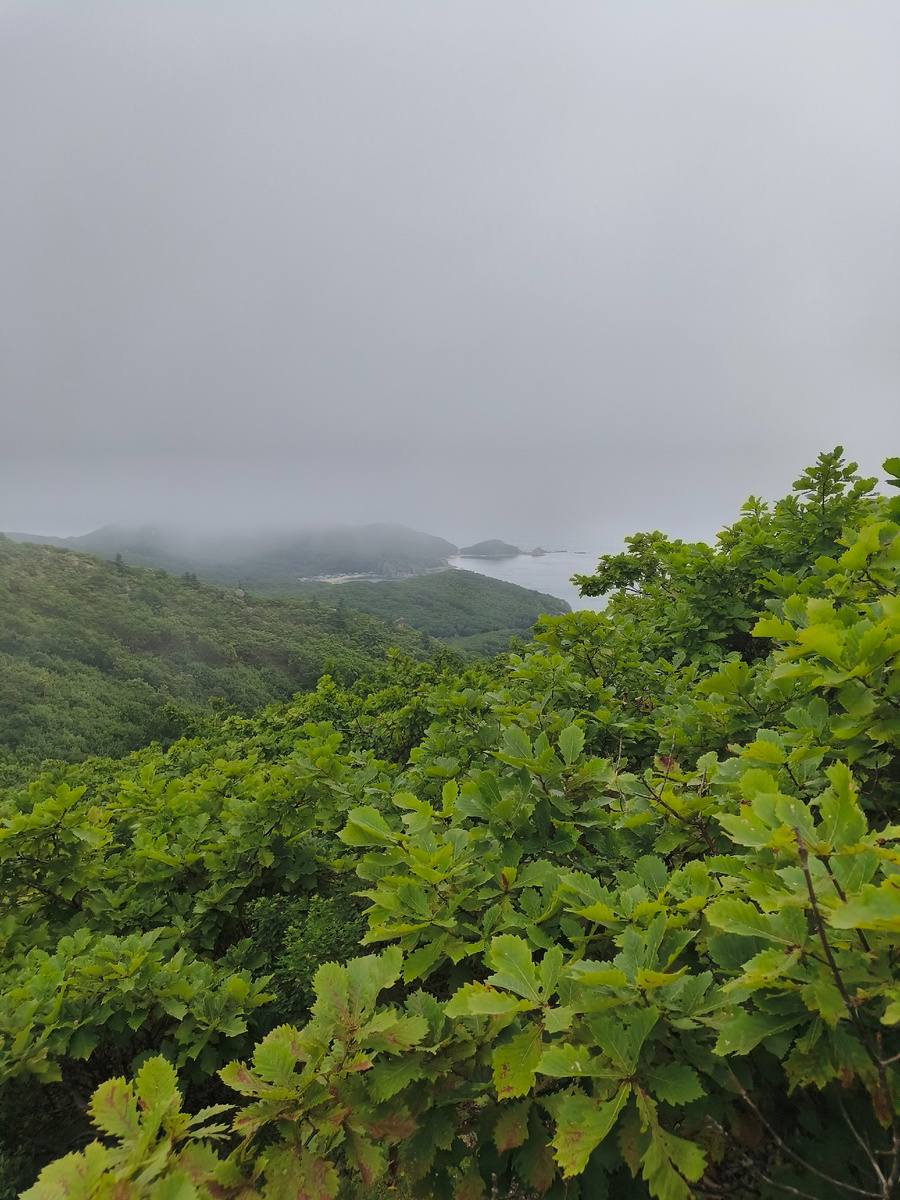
x=493, y=548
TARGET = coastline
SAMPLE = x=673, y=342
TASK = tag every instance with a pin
x=365, y=577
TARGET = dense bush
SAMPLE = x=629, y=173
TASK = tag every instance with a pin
x=98, y=658
x=634, y=889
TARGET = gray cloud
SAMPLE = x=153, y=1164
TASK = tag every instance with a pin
x=510, y=268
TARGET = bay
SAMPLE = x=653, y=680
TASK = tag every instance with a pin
x=549, y=573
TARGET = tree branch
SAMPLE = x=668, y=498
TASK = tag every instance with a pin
x=801, y=1162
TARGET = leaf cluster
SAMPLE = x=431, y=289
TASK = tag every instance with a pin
x=636, y=899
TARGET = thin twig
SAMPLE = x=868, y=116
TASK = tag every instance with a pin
x=866, y=1148
x=786, y=1187
x=782, y=1145
x=829, y=957
x=840, y=892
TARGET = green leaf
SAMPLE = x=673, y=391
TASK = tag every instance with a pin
x=565, y=1061
x=479, y=999
x=757, y=783
x=366, y=1157
x=652, y=871
x=156, y=1083
x=854, y=869
x=391, y=1075
x=513, y=967
x=113, y=1110
x=558, y=1019
x=843, y=823
x=747, y=829
x=331, y=986
x=597, y=912
x=516, y=743
x=741, y=917
x=275, y=1057
x=612, y=977
x=449, y=795
x=771, y=627
x=764, y=751
x=550, y=970
x=175, y=1186
x=239, y=1078
x=823, y=997
x=581, y=1125
x=674, y=1083
x=367, y=827
x=823, y=639
x=516, y=1062
x=646, y=979
x=84, y=1042
x=392, y=1034
x=310, y=1178
x=766, y=968
x=471, y=803
x=796, y=815
x=419, y=962
x=857, y=700
x=76, y=1175
x=621, y=1039
x=667, y=1160
x=371, y=974
x=470, y=1187
x=571, y=743
x=872, y=908
x=741, y=1031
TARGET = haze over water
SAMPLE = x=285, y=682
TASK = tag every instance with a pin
x=550, y=573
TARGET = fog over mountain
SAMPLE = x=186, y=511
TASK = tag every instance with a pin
x=545, y=272
x=268, y=557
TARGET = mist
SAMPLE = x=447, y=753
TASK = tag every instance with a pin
x=551, y=273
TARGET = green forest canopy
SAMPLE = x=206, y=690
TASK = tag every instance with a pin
x=628, y=902
x=452, y=605
x=101, y=659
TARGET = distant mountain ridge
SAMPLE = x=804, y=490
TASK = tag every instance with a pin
x=280, y=563
x=273, y=563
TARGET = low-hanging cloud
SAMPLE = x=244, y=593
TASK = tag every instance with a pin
x=511, y=269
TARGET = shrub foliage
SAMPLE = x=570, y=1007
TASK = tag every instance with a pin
x=631, y=897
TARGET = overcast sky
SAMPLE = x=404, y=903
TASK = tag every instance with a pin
x=550, y=271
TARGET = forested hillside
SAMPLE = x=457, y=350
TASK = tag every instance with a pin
x=100, y=659
x=613, y=916
x=471, y=612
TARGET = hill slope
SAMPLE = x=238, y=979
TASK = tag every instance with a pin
x=273, y=563
x=94, y=656
x=473, y=612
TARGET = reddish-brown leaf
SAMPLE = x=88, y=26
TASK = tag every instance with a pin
x=511, y=1129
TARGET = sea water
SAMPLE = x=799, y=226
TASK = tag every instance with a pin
x=549, y=573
